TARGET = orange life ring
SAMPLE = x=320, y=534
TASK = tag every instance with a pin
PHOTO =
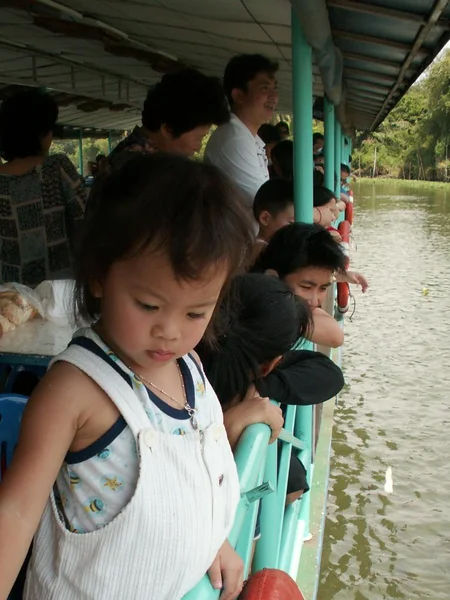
x=349, y=212
x=343, y=289
x=271, y=584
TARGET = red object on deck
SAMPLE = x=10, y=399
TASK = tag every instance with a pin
x=349, y=212
x=271, y=584
x=343, y=289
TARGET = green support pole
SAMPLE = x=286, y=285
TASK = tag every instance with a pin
x=80, y=154
x=109, y=143
x=337, y=157
x=302, y=85
x=303, y=114
x=328, y=146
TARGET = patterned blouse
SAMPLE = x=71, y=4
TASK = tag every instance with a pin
x=137, y=141
x=39, y=213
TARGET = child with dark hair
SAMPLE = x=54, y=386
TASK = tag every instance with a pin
x=136, y=440
x=308, y=260
x=283, y=160
x=236, y=148
x=258, y=323
x=318, y=140
x=283, y=129
x=274, y=207
x=178, y=113
x=270, y=136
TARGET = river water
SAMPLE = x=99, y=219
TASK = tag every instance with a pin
x=395, y=410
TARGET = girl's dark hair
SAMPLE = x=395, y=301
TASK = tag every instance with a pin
x=25, y=119
x=188, y=210
x=259, y=320
x=318, y=178
x=269, y=133
x=283, y=156
x=299, y=246
x=322, y=196
x=183, y=101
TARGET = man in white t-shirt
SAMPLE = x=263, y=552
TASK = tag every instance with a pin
x=235, y=147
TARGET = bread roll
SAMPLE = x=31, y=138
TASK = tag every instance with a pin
x=6, y=325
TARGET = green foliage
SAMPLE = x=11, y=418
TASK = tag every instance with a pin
x=91, y=149
x=413, y=142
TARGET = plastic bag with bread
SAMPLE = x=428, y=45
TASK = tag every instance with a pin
x=14, y=310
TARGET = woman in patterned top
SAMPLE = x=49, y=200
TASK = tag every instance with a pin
x=41, y=197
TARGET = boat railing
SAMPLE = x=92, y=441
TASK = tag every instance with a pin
x=263, y=473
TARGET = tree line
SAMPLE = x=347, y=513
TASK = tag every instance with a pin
x=413, y=141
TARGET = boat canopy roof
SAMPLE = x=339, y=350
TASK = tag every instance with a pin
x=99, y=58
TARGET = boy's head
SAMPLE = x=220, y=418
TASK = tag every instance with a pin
x=325, y=202
x=274, y=206
x=317, y=142
x=251, y=86
x=345, y=172
x=304, y=256
x=283, y=129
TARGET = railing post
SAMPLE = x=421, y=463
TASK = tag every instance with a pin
x=80, y=154
x=328, y=145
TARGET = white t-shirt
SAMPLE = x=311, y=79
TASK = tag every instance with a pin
x=241, y=155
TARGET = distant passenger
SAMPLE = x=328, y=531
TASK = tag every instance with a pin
x=318, y=140
x=42, y=198
x=283, y=159
x=307, y=258
x=178, y=113
x=251, y=88
x=283, y=129
x=270, y=136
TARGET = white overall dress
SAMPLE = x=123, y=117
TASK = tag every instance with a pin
x=167, y=536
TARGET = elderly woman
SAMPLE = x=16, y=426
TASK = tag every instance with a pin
x=41, y=197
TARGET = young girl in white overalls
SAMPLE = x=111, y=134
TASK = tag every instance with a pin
x=123, y=472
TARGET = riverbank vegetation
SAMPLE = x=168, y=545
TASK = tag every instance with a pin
x=413, y=142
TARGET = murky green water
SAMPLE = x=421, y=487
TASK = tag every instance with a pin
x=396, y=409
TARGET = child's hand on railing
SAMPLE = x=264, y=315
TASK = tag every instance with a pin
x=227, y=572
x=252, y=409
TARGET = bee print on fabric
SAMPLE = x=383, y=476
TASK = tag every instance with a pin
x=74, y=480
x=95, y=506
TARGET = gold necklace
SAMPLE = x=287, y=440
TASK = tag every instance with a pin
x=187, y=407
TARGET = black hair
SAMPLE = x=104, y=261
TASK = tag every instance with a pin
x=299, y=246
x=345, y=168
x=269, y=134
x=274, y=196
x=187, y=209
x=183, y=101
x=282, y=125
x=25, y=119
x=241, y=69
x=318, y=178
x=283, y=156
x=317, y=136
x=322, y=196
x=99, y=157
x=259, y=320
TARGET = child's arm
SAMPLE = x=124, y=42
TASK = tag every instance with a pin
x=50, y=422
x=327, y=331
x=302, y=378
x=354, y=277
x=253, y=409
